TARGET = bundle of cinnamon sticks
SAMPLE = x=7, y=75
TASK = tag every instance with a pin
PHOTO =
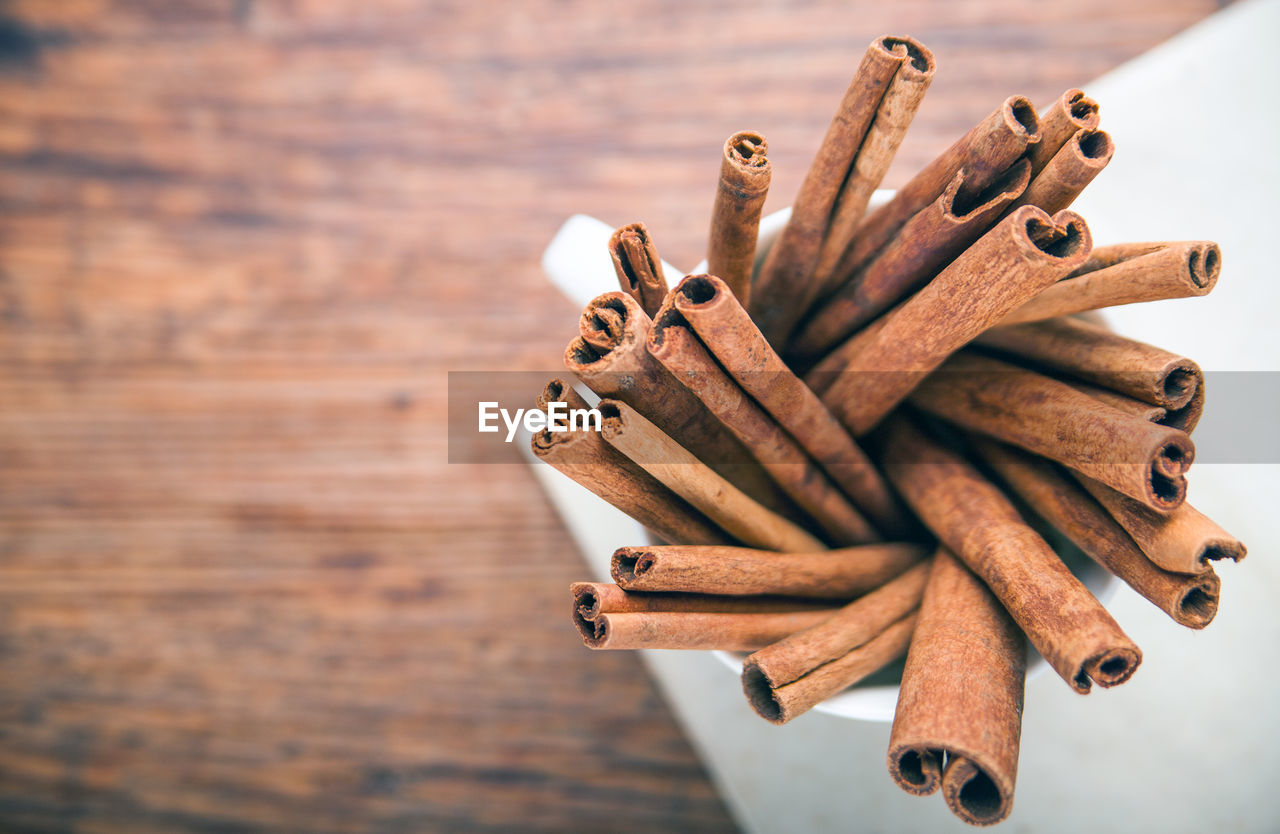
x=855, y=441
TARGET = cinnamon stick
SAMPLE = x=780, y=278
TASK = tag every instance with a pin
x=790, y=677
x=986, y=150
x=1190, y=599
x=1072, y=168
x=608, y=618
x=587, y=459
x=728, y=332
x=879, y=366
x=1095, y=354
x=673, y=343
x=932, y=238
x=894, y=115
x=735, y=218
x=639, y=269
x=784, y=287
x=732, y=510
x=1184, y=541
x=611, y=358
x=1128, y=273
x=1143, y=460
x=1071, y=113
x=974, y=519
x=961, y=697
x=840, y=574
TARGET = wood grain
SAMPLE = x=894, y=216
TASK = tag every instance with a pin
x=241, y=244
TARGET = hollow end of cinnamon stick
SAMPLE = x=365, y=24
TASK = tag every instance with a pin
x=972, y=794
x=1082, y=110
x=628, y=563
x=747, y=149
x=1216, y=549
x=916, y=769
x=1181, y=379
x=1111, y=668
x=1199, y=605
x=591, y=625
x=698, y=290
x=1020, y=116
x=1065, y=235
x=760, y=694
x=1204, y=263
x=919, y=59
x=1094, y=144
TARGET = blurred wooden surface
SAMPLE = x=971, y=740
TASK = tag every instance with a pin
x=241, y=244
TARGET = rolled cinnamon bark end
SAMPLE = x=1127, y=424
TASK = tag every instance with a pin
x=727, y=331
x=735, y=217
x=785, y=287
x=1147, y=411
x=584, y=457
x=1035, y=412
x=1071, y=113
x=933, y=237
x=1191, y=600
x=639, y=269
x=972, y=795
x=1095, y=354
x=1129, y=273
x=877, y=368
x=1070, y=171
x=646, y=446
x=837, y=574
x=974, y=519
x=1187, y=417
x=559, y=391
x=793, y=675
x=987, y=149
x=674, y=344
x=961, y=696
x=1184, y=540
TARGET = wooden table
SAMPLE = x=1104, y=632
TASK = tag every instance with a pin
x=241, y=245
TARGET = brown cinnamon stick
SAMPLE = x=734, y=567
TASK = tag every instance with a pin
x=639, y=269
x=894, y=115
x=784, y=287
x=1146, y=461
x=609, y=618
x=879, y=366
x=790, y=677
x=673, y=343
x=961, y=697
x=732, y=510
x=1095, y=354
x=587, y=459
x=1070, y=628
x=1128, y=273
x=1072, y=168
x=839, y=574
x=611, y=358
x=1190, y=599
x=927, y=242
x=1184, y=541
x=986, y=150
x=735, y=218
x=727, y=331
x=1071, y=113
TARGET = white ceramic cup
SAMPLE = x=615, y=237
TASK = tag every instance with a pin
x=577, y=262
